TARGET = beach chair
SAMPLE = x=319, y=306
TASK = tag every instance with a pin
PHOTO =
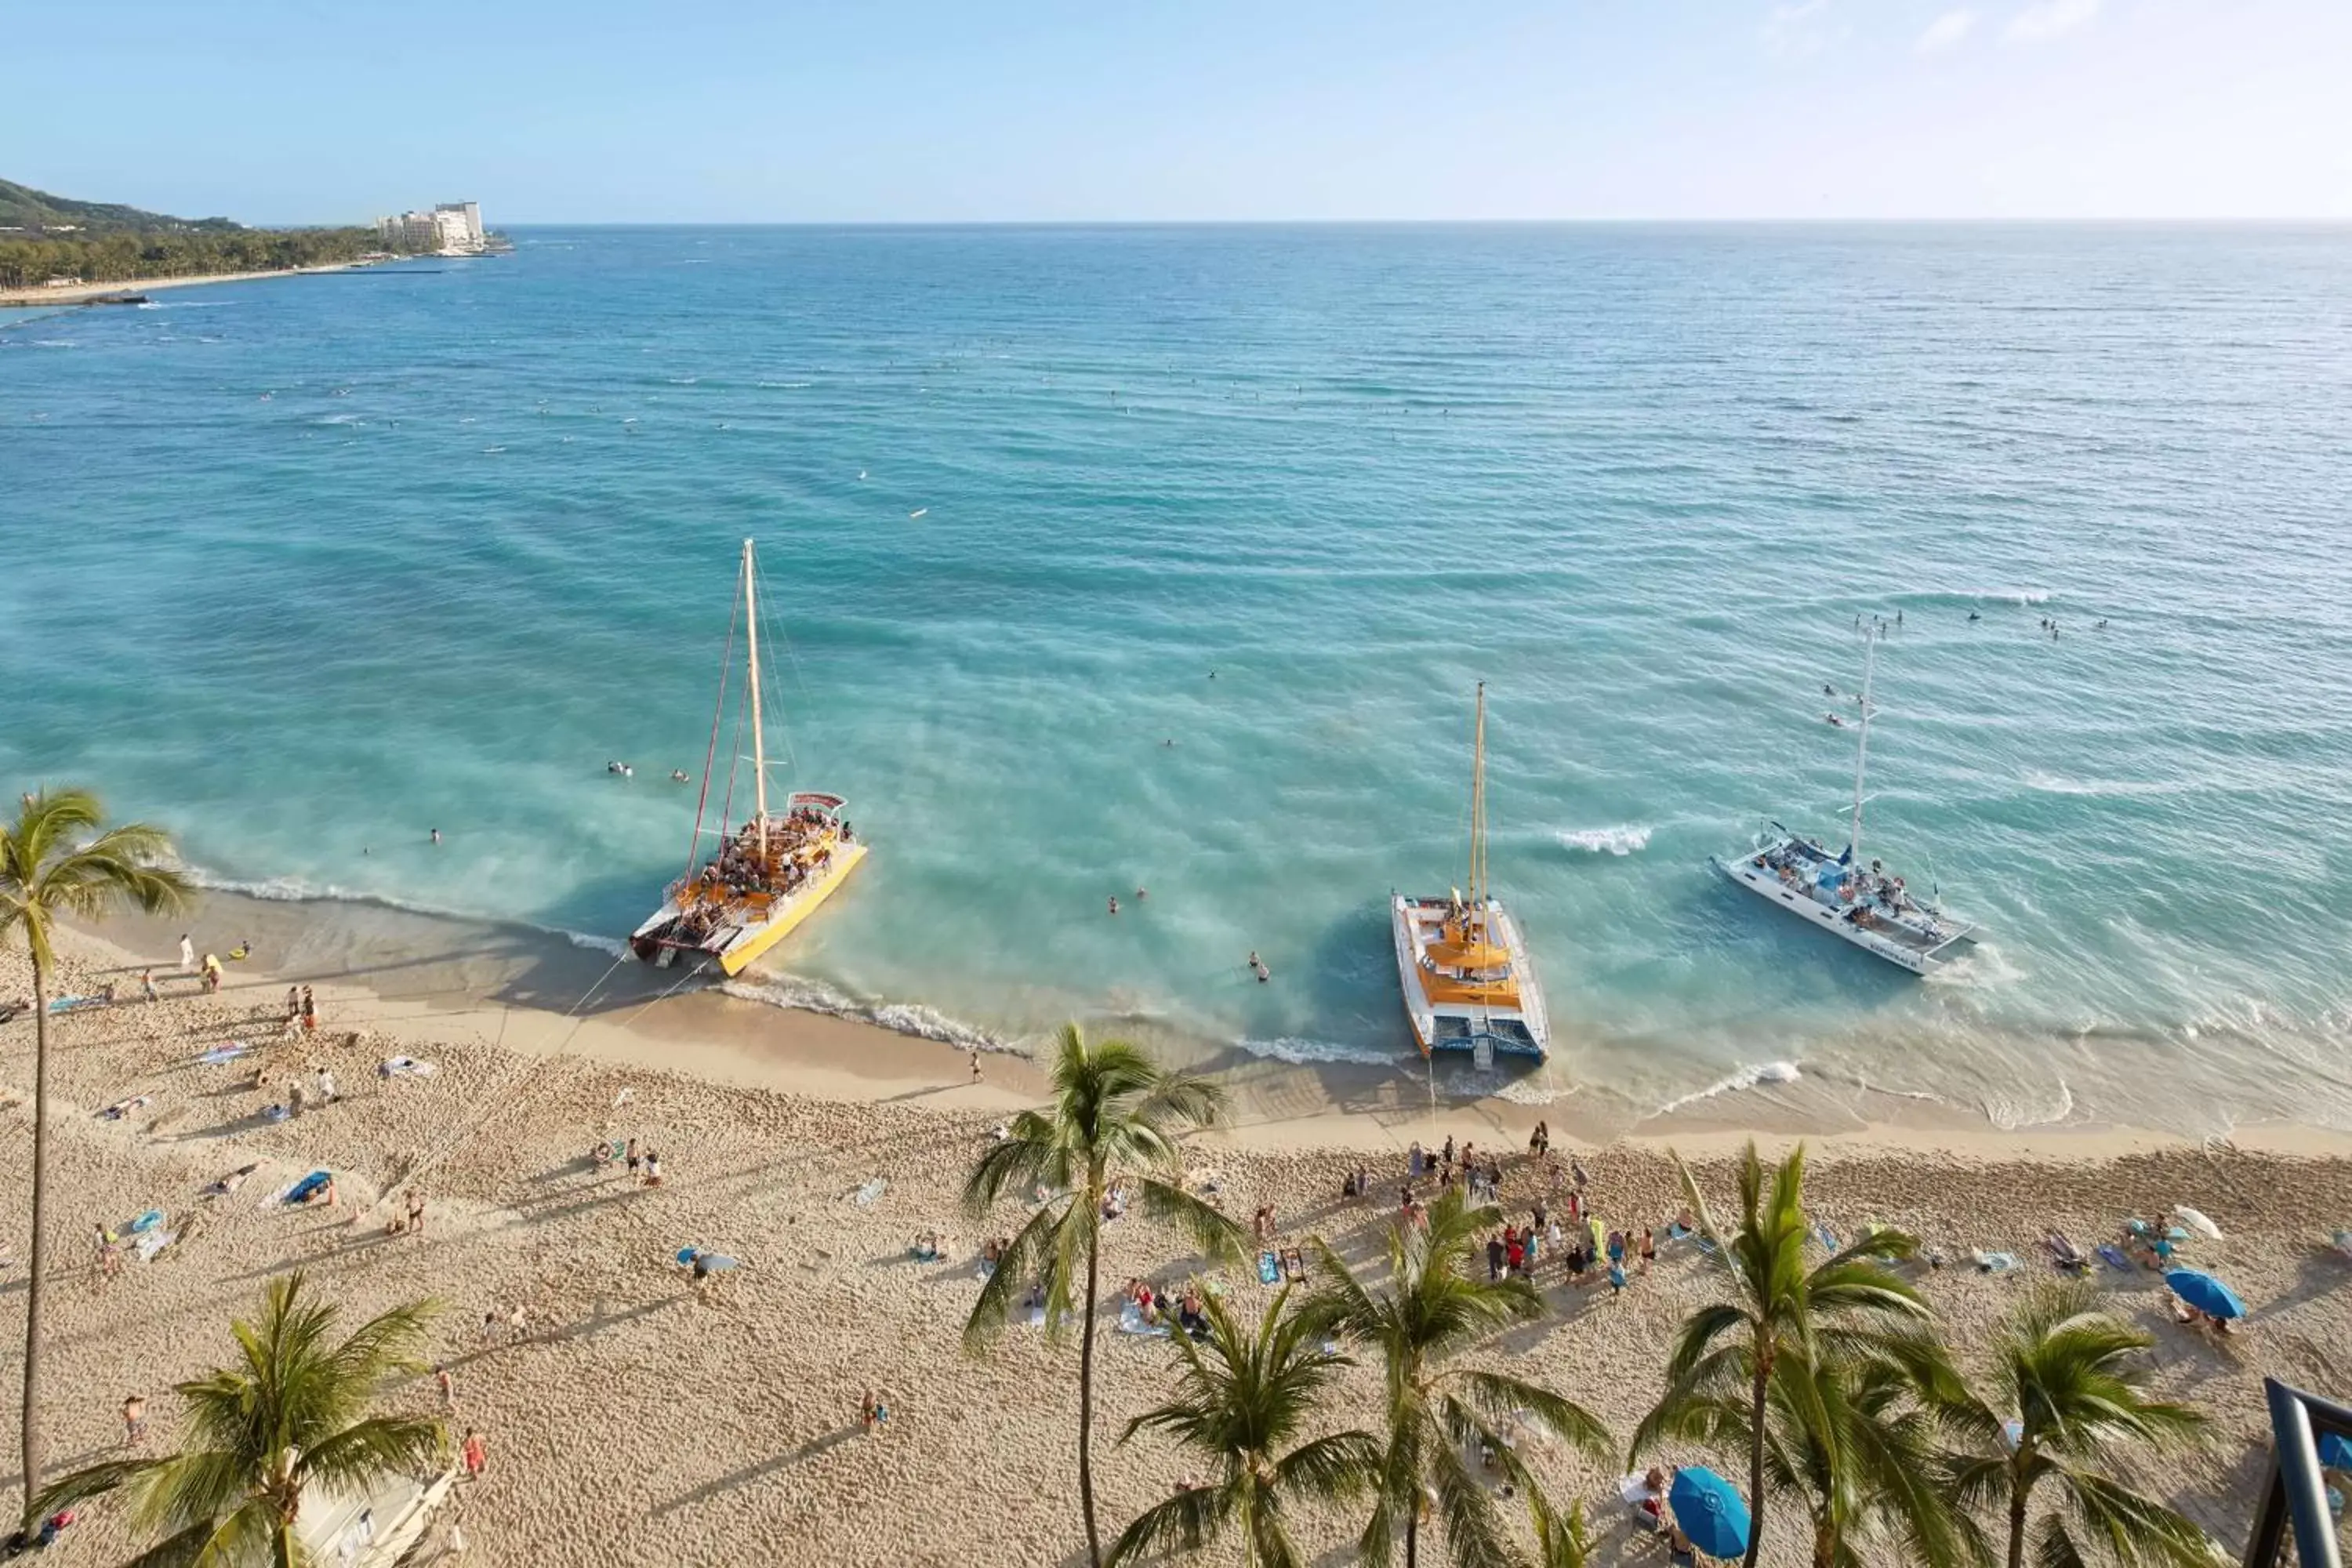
x=1294, y=1265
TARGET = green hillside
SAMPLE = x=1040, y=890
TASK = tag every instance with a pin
x=23, y=208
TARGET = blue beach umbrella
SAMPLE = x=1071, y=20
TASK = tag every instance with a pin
x=1710, y=1511
x=2336, y=1452
x=2205, y=1293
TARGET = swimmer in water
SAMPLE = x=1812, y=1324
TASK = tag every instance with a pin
x=1140, y=894
x=1114, y=903
x=1827, y=690
x=677, y=775
x=1974, y=616
x=1835, y=720
x=436, y=836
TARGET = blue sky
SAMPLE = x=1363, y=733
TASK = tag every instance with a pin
x=776, y=111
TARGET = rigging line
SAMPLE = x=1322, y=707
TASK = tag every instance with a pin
x=799, y=678
x=710, y=754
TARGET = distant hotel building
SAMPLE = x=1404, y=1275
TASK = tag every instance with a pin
x=453, y=228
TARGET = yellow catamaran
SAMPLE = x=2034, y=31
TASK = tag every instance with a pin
x=771, y=871
x=1468, y=986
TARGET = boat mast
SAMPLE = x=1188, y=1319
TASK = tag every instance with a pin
x=1861, y=747
x=1478, y=816
x=759, y=744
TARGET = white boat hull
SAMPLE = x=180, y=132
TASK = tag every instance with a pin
x=1919, y=956
x=1478, y=1029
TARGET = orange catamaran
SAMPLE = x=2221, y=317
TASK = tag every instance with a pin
x=1464, y=966
x=771, y=871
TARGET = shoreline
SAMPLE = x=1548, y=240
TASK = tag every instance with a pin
x=84, y=293
x=436, y=976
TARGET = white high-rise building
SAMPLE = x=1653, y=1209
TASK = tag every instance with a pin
x=452, y=229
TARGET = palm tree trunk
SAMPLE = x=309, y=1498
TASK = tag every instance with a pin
x=38, y=1268
x=1411, y=1531
x=2017, y=1495
x=1756, y=1460
x=281, y=1544
x=1086, y=1386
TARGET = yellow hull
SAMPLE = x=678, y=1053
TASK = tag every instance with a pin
x=745, y=951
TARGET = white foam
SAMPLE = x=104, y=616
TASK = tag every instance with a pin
x=899, y=1018
x=2011, y=595
x=1732, y=1083
x=2051, y=784
x=2010, y=1117
x=1623, y=840
x=1302, y=1052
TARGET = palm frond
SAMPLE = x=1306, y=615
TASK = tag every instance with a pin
x=1188, y=1521
x=378, y=1446
x=1498, y=1398
x=1333, y=1468
x=1029, y=1255
x=1201, y=1223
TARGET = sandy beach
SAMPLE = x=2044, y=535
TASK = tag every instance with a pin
x=631, y=1421
x=81, y=293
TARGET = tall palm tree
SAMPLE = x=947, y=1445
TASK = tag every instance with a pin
x=1239, y=1403
x=1116, y=1116
x=1432, y=1307
x=1856, y=1437
x=1778, y=1308
x=55, y=861
x=2070, y=1377
x=292, y=1414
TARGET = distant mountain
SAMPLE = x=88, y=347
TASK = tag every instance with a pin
x=22, y=207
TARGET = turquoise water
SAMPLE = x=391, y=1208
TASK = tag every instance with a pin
x=307, y=567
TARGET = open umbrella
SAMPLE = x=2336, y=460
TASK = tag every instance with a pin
x=2336, y=1452
x=2195, y=1220
x=2205, y=1293
x=1710, y=1511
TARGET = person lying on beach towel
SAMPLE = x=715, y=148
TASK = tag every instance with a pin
x=310, y=1187
x=1269, y=1268
x=1294, y=1265
x=122, y=1107
x=2064, y=1254
x=926, y=1248
x=230, y=1183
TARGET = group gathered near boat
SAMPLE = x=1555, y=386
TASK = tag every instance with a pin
x=771, y=871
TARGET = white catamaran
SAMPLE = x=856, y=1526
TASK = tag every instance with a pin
x=1462, y=962
x=771, y=872
x=1865, y=906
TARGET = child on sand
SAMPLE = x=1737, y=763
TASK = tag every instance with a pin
x=476, y=1453
x=134, y=1419
x=871, y=1413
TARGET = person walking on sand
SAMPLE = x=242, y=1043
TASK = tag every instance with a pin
x=134, y=1419
x=477, y=1454
x=187, y=954
x=871, y=1412
x=309, y=1012
x=1649, y=1248
x=447, y=1386
x=415, y=1213
x=147, y=985
x=975, y=1064
x=212, y=974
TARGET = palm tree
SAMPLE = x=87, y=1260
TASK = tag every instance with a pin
x=2068, y=1378
x=1239, y=1403
x=53, y=861
x=1856, y=1439
x=1432, y=1307
x=1116, y=1117
x=293, y=1413
x=1848, y=1305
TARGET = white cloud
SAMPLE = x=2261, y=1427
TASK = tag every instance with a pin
x=2050, y=19
x=1945, y=32
x=1800, y=27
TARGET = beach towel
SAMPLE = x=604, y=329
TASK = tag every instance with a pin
x=122, y=1107
x=1269, y=1268
x=1826, y=1237
x=1995, y=1262
x=1294, y=1265
x=1131, y=1322
x=74, y=1003
x=409, y=1066
x=300, y=1190
x=153, y=1242
x=227, y=1053
x=275, y=1113
x=2114, y=1259
x=2342, y=1241
x=864, y=1196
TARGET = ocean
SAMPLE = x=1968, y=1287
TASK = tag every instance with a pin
x=304, y=569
